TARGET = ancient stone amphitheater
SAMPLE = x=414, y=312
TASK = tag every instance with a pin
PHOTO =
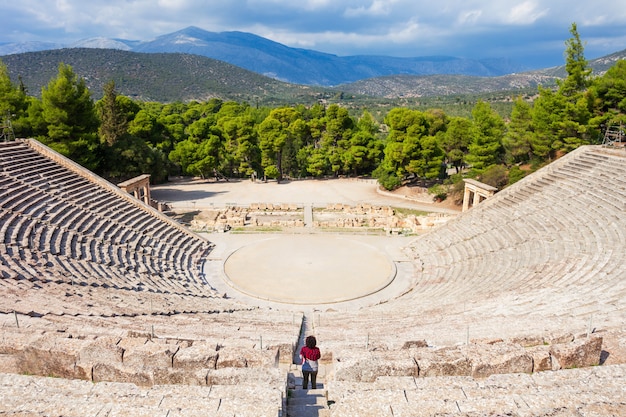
x=517, y=307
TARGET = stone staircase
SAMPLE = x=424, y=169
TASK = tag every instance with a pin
x=306, y=402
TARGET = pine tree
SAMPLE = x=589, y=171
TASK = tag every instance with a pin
x=72, y=124
x=519, y=132
x=487, y=129
x=113, y=124
x=578, y=73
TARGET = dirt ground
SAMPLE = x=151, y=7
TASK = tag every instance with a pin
x=201, y=194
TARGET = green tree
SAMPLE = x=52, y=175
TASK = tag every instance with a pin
x=578, y=73
x=456, y=140
x=13, y=103
x=410, y=149
x=68, y=111
x=518, y=137
x=113, y=123
x=274, y=134
x=608, y=93
x=487, y=132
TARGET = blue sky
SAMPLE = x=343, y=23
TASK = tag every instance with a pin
x=531, y=32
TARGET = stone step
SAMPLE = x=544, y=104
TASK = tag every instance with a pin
x=307, y=403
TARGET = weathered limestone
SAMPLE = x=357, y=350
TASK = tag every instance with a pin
x=442, y=362
x=367, y=366
x=54, y=356
x=578, y=354
x=200, y=355
x=499, y=358
x=542, y=360
x=236, y=357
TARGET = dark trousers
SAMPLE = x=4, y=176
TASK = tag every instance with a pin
x=305, y=379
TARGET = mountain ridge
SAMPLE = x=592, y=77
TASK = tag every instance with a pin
x=294, y=65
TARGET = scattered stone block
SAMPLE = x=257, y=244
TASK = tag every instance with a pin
x=246, y=376
x=9, y=364
x=201, y=355
x=560, y=338
x=232, y=357
x=542, y=361
x=442, y=362
x=123, y=373
x=367, y=366
x=16, y=341
x=412, y=344
x=102, y=350
x=577, y=354
x=527, y=341
x=54, y=356
x=150, y=354
x=499, y=358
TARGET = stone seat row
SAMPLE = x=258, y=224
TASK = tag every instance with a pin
x=36, y=396
x=584, y=391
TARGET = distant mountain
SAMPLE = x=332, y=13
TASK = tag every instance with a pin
x=169, y=77
x=404, y=86
x=294, y=65
x=9, y=48
x=155, y=77
x=106, y=43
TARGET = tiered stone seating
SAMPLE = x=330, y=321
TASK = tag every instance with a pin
x=537, y=267
x=99, y=235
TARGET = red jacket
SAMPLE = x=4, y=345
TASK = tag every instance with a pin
x=310, y=354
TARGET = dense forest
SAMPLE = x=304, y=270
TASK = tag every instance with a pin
x=118, y=137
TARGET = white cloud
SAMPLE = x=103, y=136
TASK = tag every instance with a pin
x=469, y=17
x=376, y=8
x=526, y=13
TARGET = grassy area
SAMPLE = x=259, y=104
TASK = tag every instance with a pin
x=408, y=212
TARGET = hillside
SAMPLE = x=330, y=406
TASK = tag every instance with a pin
x=410, y=86
x=154, y=77
x=168, y=77
x=294, y=65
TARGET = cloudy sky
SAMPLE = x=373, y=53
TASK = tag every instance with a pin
x=531, y=32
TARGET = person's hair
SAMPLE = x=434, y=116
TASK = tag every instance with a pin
x=311, y=342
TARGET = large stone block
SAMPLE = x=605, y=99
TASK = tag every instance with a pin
x=442, y=362
x=500, y=358
x=236, y=357
x=542, y=361
x=527, y=341
x=171, y=376
x=201, y=355
x=123, y=373
x=15, y=340
x=9, y=364
x=101, y=350
x=367, y=366
x=285, y=352
x=577, y=354
x=54, y=356
x=150, y=354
